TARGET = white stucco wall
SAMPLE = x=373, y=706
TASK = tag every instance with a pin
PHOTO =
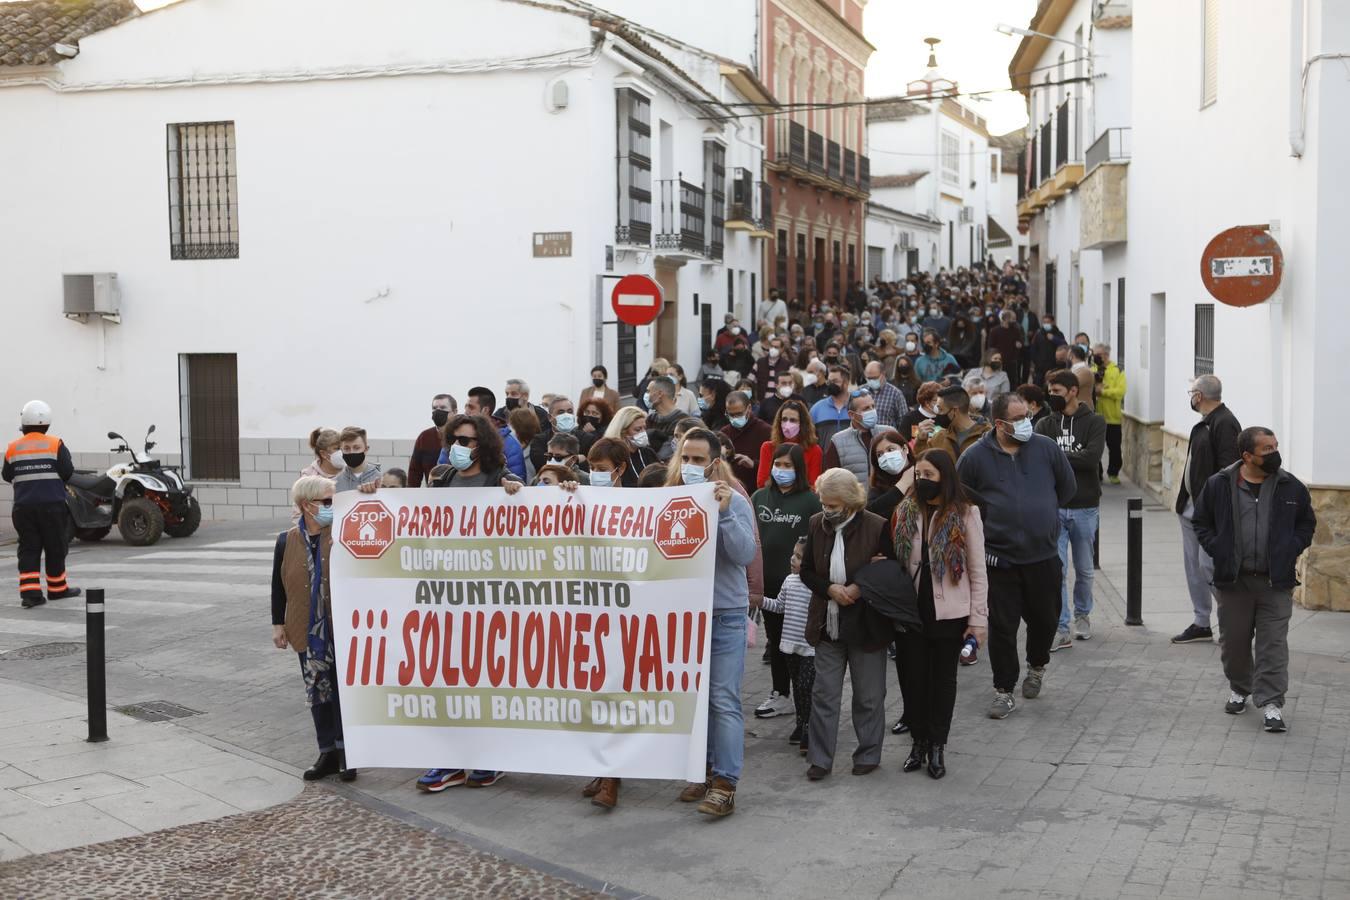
x=427, y=187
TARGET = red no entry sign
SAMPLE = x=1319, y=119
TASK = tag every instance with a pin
x=636, y=300
x=1242, y=266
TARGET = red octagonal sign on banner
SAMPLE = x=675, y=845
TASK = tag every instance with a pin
x=367, y=530
x=681, y=529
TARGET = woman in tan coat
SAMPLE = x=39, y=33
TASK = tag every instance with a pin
x=302, y=617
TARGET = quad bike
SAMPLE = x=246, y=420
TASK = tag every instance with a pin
x=143, y=498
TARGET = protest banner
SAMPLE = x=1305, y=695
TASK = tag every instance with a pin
x=551, y=632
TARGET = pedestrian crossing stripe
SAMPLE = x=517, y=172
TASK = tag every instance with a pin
x=241, y=555
x=45, y=628
x=165, y=569
x=241, y=545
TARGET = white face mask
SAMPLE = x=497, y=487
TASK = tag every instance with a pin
x=808, y=379
x=735, y=330
x=640, y=439
x=785, y=391
x=977, y=401
x=910, y=346
x=773, y=353
x=892, y=461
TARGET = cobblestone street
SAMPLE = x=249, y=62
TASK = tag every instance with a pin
x=317, y=845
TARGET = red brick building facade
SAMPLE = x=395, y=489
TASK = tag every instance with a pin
x=815, y=160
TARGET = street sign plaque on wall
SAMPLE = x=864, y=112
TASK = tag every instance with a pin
x=552, y=243
x=1242, y=266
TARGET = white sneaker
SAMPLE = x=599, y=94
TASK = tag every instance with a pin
x=774, y=705
x=1273, y=718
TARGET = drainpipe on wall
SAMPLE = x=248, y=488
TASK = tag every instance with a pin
x=1296, y=144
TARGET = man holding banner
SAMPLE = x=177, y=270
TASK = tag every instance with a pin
x=546, y=631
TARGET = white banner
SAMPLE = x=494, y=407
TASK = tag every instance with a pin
x=547, y=632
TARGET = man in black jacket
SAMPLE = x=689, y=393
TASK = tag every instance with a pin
x=1081, y=434
x=1254, y=519
x=1213, y=446
x=1023, y=479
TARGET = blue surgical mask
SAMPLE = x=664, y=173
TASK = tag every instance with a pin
x=323, y=516
x=869, y=419
x=784, y=477
x=566, y=421
x=702, y=403
x=602, y=479
x=1048, y=326
x=692, y=474
x=738, y=421
x=1023, y=430
x=891, y=462
x=461, y=457
x=874, y=383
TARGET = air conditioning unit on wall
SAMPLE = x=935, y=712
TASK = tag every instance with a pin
x=91, y=294
x=967, y=215
x=905, y=240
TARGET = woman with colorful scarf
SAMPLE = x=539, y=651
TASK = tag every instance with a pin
x=302, y=617
x=939, y=536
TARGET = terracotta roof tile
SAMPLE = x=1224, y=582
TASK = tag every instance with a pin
x=29, y=29
x=886, y=181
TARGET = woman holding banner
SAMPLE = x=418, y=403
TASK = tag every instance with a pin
x=302, y=617
x=843, y=538
x=697, y=460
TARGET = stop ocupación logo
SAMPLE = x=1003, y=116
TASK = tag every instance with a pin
x=681, y=528
x=367, y=530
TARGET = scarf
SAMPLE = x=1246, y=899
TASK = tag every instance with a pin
x=946, y=545
x=838, y=575
x=318, y=655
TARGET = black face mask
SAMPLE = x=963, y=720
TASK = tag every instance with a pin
x=353, y=459
x=439, y=417
x=598, y=382
x=594, y=421
x=832, y=360
x=833, y=389
x=1056, y=402
x=943, y=420
x=512, y=402
x=1270, y=463
x=995, y=365
x=927, y=490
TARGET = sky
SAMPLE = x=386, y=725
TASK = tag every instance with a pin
x=972, y=53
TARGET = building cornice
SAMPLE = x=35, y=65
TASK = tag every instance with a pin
x=829, y=26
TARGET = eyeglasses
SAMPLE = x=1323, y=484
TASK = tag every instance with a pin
x=326, y=501
x=465, y=440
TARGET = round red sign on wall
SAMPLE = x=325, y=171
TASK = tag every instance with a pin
x=1242, y=266
x=636, y=300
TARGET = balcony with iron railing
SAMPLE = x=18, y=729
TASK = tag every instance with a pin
x=808, y=156
x=751, y=208
x=1112, y=145
x=815, y=153
x=681, y=228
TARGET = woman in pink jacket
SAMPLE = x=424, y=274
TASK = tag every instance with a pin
x=938, y=534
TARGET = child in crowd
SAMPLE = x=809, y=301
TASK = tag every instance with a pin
x=358, y=474
x=792, y=602
x=394, y=478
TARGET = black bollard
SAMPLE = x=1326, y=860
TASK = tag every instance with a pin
x=97, y=680
x=1134, y=561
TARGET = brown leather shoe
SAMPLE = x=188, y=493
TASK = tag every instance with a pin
x=592, y=787
x=721, y=799
x=694, y=792
x=608, y=795
x=864, y=769
x=817, y=773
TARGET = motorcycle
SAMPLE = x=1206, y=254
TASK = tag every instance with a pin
x=143, y=498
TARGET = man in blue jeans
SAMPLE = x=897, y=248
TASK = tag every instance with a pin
x=700, y=458
x=1081, y=434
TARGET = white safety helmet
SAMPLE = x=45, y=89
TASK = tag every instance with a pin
x=35, y=412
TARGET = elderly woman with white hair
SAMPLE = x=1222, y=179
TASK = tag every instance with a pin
x=843, y=538
x=978, y=390
x=302, y=616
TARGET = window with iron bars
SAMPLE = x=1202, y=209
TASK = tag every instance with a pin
x=203, y=191
x=634, y=136
x=781, y=266
x=834, y=275
x=801, y=266
x=715, y=179
x=1204, y=339
x=852, y=264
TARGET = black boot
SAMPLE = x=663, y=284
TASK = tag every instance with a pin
x=328, y=763
x=30, y=599
x=67, y=594
x=344, y=773
x=937, y=765
x=918, y=754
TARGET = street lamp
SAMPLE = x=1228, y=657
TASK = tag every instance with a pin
x=1027, y=32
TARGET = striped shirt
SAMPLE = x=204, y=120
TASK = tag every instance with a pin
x=792, y=603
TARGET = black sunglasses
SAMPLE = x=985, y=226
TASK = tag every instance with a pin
x=465, y=440
x=326, y=501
